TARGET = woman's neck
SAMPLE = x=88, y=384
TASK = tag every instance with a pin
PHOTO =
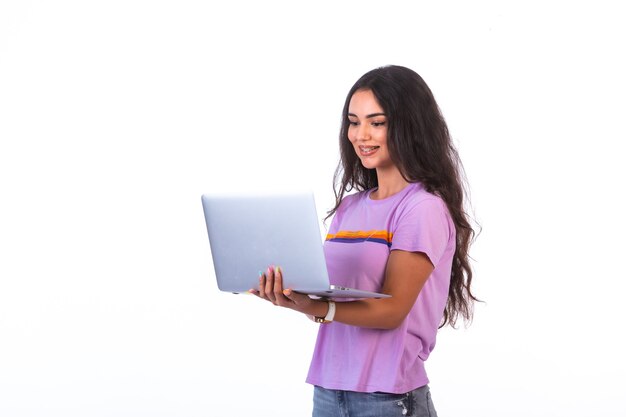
x=390, y=182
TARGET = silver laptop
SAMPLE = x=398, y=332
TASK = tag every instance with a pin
x=249, y=233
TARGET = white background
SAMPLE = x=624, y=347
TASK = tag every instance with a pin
x=115, y=116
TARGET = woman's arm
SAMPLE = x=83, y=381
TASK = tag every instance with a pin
x=405, y=276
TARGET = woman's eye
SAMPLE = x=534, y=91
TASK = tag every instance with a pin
x=377, y=124
x=352, y=123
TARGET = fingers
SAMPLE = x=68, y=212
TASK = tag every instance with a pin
x=261, y=290
x=296, y=297
x=268, y=290
x=271, y=287
x=279, y=295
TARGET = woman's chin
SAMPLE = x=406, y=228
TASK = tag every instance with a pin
x=368, y=164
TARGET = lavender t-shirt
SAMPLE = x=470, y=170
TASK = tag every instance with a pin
x=360, y=238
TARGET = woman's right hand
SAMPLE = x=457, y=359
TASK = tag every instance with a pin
x=271, y=289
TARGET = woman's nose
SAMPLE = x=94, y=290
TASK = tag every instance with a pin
x=363, y=132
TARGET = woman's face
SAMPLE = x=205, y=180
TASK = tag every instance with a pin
x=368, y=130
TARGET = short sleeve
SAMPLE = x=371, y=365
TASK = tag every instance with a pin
x=424, y=226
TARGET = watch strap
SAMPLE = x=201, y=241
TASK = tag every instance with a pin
x=330, y=316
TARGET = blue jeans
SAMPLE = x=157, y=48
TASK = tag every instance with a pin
x=333, y=403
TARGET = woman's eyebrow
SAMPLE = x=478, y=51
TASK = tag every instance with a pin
x=369, y=116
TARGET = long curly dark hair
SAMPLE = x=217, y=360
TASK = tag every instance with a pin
x=420, y=146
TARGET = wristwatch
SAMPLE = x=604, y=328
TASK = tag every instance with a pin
x=329, y=316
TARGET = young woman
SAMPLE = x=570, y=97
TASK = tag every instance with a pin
x=404, y=233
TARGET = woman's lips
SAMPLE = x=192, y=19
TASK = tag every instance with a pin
x=368, y=150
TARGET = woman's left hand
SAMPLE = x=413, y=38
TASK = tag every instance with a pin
x=271, y=289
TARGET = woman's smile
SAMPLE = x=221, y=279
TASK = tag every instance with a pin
x=368, y=150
